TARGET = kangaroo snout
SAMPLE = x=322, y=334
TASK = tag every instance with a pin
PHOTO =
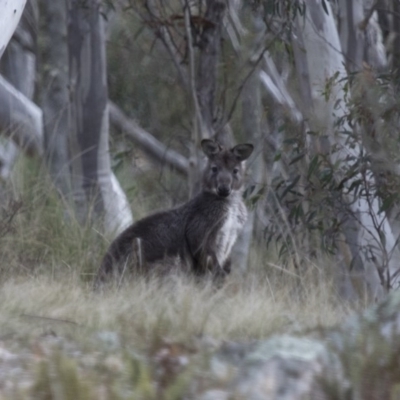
x=223, y=190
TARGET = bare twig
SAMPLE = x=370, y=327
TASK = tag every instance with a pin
x=163, y=33
x=242, y=85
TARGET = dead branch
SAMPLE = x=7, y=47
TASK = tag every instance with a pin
x=146, y=141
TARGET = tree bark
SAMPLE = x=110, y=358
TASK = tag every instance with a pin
x=351, y=14
x=396, y=41
x=360, y=36
x=96, y=191
x=54, y=91
x=251, y=122
x=10, y=14
x=323, y=52
x=207, y=73
x=20, y=119
x=18, y=66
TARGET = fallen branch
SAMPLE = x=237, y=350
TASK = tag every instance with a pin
x=148, y=143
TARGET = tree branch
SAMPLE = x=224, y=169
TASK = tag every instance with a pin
x=155, y=22
x=20, y=119
x=146, y=141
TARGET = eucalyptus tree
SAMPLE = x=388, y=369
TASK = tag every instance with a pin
x=20, y=118
x=96, y=191
x=18, y=66
x=191, y=34
x=375, y=240
x=329, y=141
x=54, y=96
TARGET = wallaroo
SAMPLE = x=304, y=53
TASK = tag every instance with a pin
x=199, y=234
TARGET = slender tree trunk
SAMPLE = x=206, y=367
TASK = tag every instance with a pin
x=202, y=86
x=396, y=42
x=351, y=14
x=382, y=7
x=323, y=52
x=18, y=63
x=10, y=14
x=18, y=66
x=54, y=91
x=350, y=276
x=207, y=73
x=251, y=121
x=96, y=191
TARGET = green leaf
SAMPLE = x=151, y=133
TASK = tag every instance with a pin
x=297, y=158
x=290, y=186
x=278, y=156
x=314, y=164
x=388, y=202
x=355, y=185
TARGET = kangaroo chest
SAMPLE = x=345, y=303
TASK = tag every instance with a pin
x=235, y=218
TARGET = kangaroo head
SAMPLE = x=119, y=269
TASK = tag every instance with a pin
x=225, y=168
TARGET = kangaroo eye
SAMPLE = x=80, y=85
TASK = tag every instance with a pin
x=235, y=170
x=214, y=169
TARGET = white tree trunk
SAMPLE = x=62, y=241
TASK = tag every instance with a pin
x=360, y=35
x=20, y=119
x=18, y=66
x=96, y=191
x=10, y=14
x=351, y=14
x=324, y=57
x=251, y=122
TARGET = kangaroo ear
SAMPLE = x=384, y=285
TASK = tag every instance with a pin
x=210, y=147
x=243, y=151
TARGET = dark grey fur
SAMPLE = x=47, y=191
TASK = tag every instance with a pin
x=201, y=232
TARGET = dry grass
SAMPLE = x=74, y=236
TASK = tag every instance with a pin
x=47, y=263
x=175, y=308
x=59, y=334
